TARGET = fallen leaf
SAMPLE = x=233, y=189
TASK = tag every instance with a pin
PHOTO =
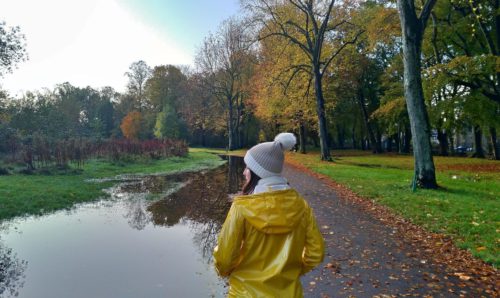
x=462, y=276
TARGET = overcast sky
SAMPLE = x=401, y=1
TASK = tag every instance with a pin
x=93, y=42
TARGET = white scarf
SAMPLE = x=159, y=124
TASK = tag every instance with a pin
x=271, y=184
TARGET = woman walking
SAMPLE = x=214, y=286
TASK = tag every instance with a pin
x=270, y=236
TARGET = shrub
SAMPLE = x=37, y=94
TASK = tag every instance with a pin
x=4, y=171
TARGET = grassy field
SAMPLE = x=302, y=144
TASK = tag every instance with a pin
x=466, y=206
x=37, y=194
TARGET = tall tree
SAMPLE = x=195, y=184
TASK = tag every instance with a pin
x=224, y=61
x=12, y=48
x=281, y=97
x=137, y=75
x=413, y=27
x=163, y=90
x=164, y=86
x=309, y=25
x=201, y=111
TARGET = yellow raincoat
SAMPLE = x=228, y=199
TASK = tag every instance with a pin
x=267, y=241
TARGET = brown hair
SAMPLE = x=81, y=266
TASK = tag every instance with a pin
x=249, y=186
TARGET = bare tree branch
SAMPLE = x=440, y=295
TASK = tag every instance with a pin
x=336, y=53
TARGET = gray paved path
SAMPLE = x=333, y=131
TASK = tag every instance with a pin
x=364, y=257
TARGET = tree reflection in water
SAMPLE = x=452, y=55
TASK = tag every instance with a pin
x=138, y=191
x=203, y=202
x=138, y=217
x=201, y=199
x=11, y=272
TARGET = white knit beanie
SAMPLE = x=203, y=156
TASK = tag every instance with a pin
x=266, y=159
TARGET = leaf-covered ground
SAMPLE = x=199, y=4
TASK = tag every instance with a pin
x=465, y=207
x=371, y=252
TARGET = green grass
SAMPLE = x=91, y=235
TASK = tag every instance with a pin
x=39, y=194
x=465, y=207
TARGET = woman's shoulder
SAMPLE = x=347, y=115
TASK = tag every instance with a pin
x=289, y=193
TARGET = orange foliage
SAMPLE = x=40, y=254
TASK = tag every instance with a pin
x=131, y=125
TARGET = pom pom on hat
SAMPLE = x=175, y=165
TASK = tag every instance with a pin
x=286, y=139
x=266, y=159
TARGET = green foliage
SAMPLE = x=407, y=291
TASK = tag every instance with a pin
x=461, y=70
x=168, y=125
x=165, y=87
x=392, y=114
x=453, y=89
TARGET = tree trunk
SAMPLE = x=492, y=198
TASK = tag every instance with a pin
x=315, y=141
x=353, y=137
x=302, y=139
x=320, y=110
x=412, y=29
x=451, y=141
x=239, y=114
x=389, y=144
x=443, y=143
x=407, y=140
x=494, y=144
x=478, y=142
x=340, y=137
x=378, y=141
x=203, y=139
x=397, y=141
x=230, y=128
x=369, y=129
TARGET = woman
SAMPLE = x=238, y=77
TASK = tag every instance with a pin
x=270, y=236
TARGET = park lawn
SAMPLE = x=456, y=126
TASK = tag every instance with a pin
x=38, y=194
x=465, y=207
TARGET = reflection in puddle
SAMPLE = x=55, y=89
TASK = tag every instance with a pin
x=153, y=238
x=11, y=271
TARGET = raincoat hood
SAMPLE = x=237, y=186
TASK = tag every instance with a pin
x=275, y=212
x=266, y=242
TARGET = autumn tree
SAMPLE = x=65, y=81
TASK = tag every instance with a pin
x=201, y=111
x=224, y=62
x=413, y=27
x=283, y=99
x=392, y=113
x=309, y=25
x=131, y=125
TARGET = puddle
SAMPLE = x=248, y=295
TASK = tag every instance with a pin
x=153, y=238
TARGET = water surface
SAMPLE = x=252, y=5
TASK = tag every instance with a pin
x=153, y=238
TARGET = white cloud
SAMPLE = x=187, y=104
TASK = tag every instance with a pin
x=84, y=42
